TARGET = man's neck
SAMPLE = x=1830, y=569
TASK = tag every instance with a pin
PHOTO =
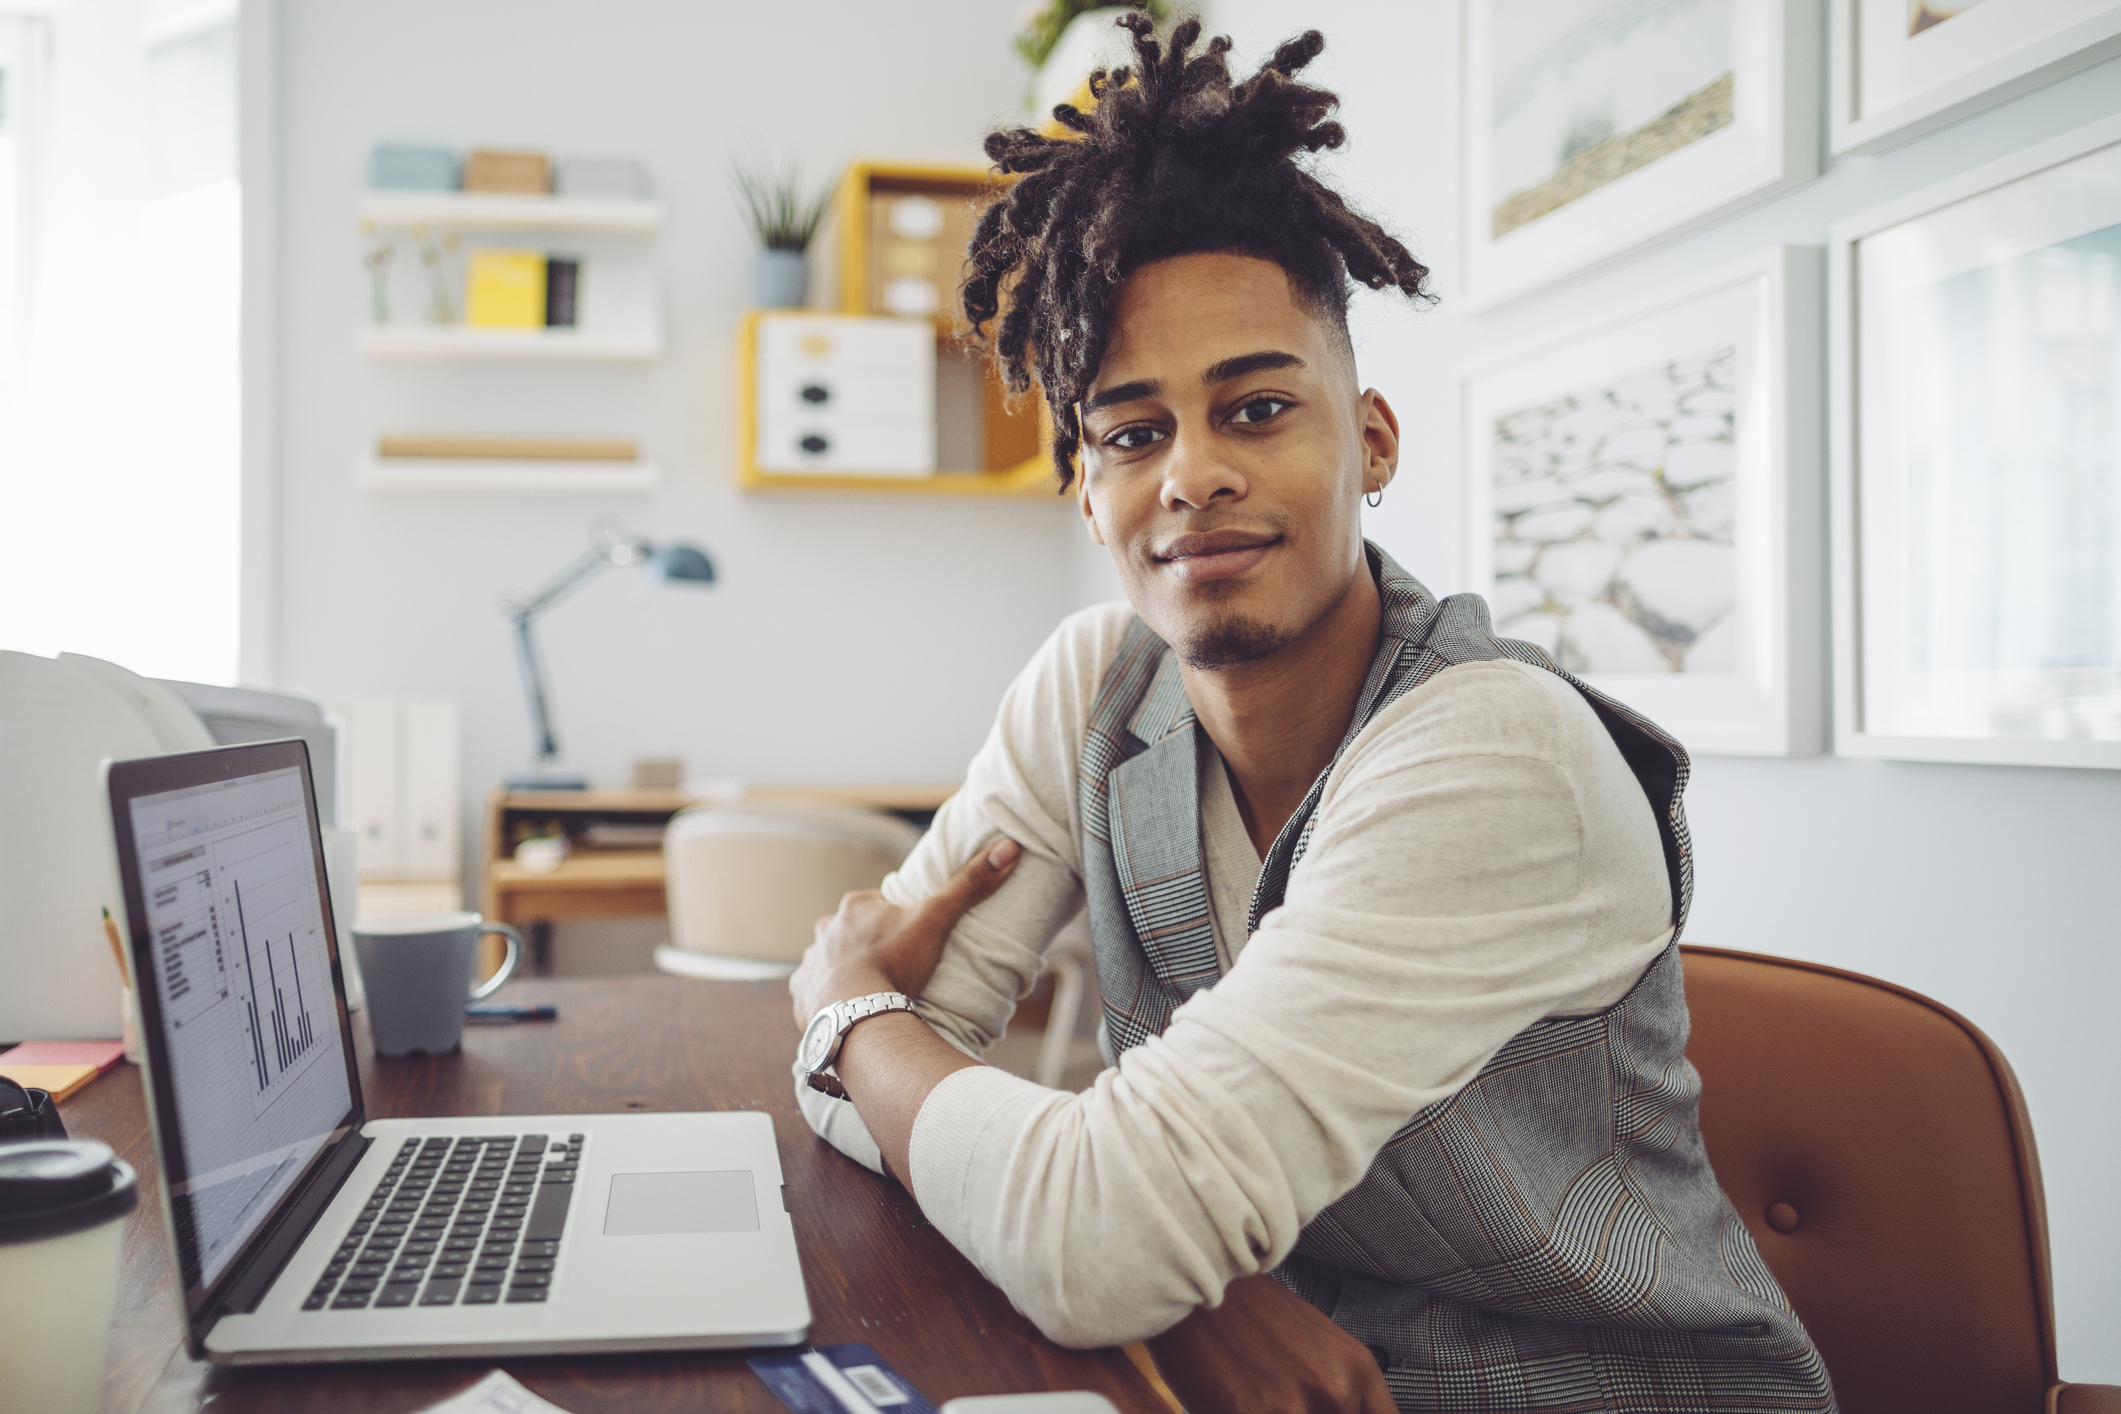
x=1278, y=721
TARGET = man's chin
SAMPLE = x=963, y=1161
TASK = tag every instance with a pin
x=1230, y=641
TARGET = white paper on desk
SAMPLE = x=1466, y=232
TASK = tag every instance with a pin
x=498, y=1393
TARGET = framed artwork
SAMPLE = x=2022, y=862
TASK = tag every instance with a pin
x=1976, y=412
x=1901, y=68
x=1592, y=127
x=1643, y=501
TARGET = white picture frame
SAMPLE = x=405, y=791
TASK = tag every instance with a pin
x=1540, y=79
x=1890, y=81
x=1750, y=681
x=1968, y=642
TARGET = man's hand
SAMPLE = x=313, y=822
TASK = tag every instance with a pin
x=872, y=945
x=1266, y=1348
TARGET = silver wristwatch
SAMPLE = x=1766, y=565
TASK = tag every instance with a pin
x=820, y=1045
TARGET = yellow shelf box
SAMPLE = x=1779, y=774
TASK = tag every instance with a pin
x=903, y=230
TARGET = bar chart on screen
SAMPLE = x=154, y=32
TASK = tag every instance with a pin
x=282, y=972
x=246, y=1003
x=245, y=974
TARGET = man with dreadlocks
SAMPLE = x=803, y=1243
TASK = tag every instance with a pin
x=1385, y=907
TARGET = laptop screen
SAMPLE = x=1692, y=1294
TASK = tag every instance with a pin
x=255, y=1064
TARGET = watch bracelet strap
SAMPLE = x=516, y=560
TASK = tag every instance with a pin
x=874, y=1004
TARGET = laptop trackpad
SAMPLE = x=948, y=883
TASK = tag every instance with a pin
x=650, y=1204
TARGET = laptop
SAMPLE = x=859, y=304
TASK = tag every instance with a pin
x=307, y=1231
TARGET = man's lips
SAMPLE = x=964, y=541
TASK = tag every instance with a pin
x=1216, y=554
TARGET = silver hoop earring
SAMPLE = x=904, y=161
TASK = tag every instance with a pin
x=1375, y=498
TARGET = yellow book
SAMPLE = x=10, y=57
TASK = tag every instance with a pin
x=505, y=289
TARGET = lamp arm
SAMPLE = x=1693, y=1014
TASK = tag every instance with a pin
x=571, y=576
x=609, y=550
x=534, y=689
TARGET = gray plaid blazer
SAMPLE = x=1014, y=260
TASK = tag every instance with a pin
x=1551, y=1237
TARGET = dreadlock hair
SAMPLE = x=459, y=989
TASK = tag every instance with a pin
x=1174, y=159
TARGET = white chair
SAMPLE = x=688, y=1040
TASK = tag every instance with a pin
x=748, y=883
x=1071, y=961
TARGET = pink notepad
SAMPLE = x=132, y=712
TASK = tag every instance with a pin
x=100, y=1054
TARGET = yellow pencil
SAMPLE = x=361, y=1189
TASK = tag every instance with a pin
x=117, y=949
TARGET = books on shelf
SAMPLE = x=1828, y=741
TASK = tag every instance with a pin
x=504, y=289
x=563, y=277
x=430, y=445
x=490, y=169
x=411, y=166
x=459, y=257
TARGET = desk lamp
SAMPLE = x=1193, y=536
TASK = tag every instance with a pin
x=674, y=563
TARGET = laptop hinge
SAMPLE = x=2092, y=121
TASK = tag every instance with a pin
x=284, y=1238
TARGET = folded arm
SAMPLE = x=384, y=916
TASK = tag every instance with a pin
x=1447, y=902
x=1019, y=787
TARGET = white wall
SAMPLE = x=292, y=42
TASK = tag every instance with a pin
x=849, y=638
x=1980, y=886
x=1989, y=888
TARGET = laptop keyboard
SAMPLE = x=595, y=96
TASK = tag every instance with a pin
x=473, y=1220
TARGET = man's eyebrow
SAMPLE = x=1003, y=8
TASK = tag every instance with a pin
x=1123, y=393
x=1244, y=364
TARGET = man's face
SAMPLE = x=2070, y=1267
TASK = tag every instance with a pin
x=1226, y=451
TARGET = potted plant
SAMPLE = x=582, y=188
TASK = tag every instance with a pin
x=1063, y=40
x=783, y=218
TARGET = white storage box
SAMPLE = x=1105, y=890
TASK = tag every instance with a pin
x=846, y=395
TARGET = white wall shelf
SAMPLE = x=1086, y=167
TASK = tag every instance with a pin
x=459, y=341
x=494, y=210
x=480, y=474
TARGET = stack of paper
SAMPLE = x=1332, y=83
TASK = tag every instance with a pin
x=61, y=1067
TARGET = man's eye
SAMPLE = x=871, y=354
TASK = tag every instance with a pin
x=1259, y=410
x=1130, y=438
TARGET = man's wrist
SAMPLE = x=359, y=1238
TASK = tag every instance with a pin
x=845, y=984
x=830, y=1024
x=833, y=1028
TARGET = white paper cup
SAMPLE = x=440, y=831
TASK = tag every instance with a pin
x=62, y=1219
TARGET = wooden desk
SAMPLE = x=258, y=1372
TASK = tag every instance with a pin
x=597, y=883
x=876, y=1271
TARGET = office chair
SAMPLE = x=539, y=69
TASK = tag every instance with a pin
x=1073, y=963
x=748, y=883
x=1878, y=1149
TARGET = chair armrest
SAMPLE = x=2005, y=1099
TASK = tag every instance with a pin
x=2084, y=1399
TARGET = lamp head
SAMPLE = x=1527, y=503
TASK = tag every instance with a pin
x=680, y=563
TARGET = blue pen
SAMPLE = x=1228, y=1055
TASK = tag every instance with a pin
x=502, y=1011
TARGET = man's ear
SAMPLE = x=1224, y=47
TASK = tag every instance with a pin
x=1380, y=442
x=1082, y=503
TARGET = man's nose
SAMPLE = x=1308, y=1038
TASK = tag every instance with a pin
x=1196, y=474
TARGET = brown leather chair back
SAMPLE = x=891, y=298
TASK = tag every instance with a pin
x=1878, y=1149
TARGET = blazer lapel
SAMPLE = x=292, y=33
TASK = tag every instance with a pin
x=1155, y=823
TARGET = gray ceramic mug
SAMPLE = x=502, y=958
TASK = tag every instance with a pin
x=417, y=970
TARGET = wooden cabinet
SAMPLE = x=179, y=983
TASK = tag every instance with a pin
x=614, y=865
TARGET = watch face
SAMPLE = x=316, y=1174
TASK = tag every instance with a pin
x=817, y=1039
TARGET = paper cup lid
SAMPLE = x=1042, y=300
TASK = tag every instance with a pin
x=51, y=1187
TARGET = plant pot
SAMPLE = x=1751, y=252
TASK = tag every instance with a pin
x=780, y=279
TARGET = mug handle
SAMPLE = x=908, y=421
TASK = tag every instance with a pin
x=508, y=964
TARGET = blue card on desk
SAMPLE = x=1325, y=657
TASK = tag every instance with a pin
x=839, y=1379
